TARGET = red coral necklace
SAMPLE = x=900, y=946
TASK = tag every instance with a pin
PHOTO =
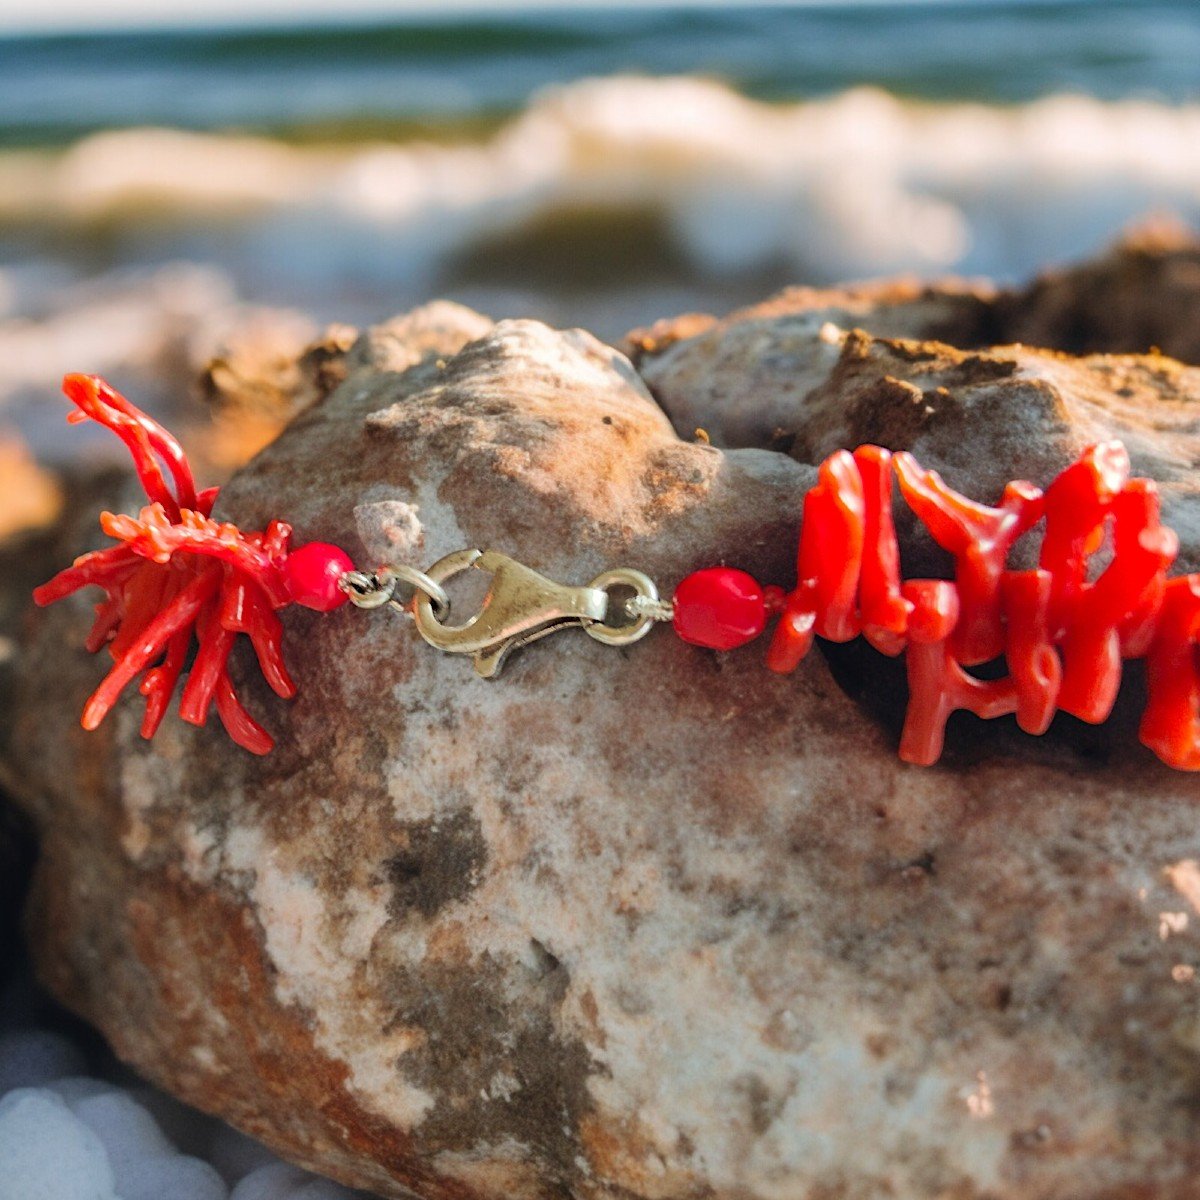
x=176, y=574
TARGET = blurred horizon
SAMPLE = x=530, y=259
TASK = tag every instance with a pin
x=19, y=17
x=463, y=70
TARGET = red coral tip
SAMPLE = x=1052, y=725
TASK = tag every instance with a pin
x=176, y=574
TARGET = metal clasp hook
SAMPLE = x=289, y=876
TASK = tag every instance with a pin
x=521, y=606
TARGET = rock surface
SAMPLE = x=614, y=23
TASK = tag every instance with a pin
x=1139, y=297
x=744, y=378
x=981, y=418
x=653, y=922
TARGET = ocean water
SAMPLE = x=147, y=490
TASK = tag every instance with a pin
x=600, y=166
x=341, y=80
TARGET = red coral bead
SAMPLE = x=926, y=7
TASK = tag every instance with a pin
x=720, y=608
x=312, y=573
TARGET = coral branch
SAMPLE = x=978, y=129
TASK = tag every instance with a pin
x=1032, y=660
x=142, y=435
x=980, y=539
x=245, y=610
x=885, y=611
x=151, y=534
x=103, y=567
x=1135, y=579
x=937, y=683
x=1171, y=724
x=151, y=643
x=178, y=574
x=158, y=684
x=1062, y=635
x=829, y=561
x=1077, y=505
x=214, y=648
x=239, y=724
x=108, y=619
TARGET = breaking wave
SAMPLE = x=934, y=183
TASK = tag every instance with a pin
x=858, y=184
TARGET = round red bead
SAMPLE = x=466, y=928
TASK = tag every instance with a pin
x=720, y=608
x=312, y=573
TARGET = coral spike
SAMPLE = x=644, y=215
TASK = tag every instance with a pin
x=1171, y=724
x=144, y=437
x=980, y=539
x=1063, y=636
x=152, y=642
x=175, y=574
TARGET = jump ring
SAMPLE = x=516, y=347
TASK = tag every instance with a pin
x=642, y=586
x=366, y=591
x=373, y=591
x=421, y=582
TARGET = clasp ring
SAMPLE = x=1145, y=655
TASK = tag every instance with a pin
x=379, y=587
x=522, y=606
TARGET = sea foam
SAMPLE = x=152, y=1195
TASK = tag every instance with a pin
x=858, y=184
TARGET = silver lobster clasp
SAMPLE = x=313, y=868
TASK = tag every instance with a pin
x=521, y=606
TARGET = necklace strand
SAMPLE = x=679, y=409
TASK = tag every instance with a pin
x=176, y=575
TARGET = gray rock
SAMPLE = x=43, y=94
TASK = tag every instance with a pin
x=743, y=379
x=1139, y=296
x=982, y=418
x=650, y=922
